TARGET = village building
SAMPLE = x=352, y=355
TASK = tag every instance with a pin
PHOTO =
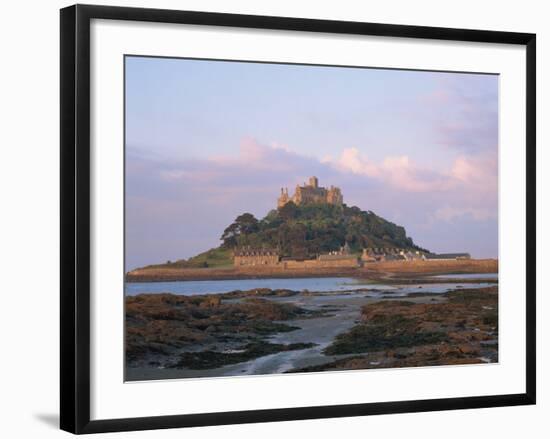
x=380, y=254
x=340, y=258
x=311, y=193
x=248, y=256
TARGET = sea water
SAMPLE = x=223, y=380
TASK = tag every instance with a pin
x=313, y=284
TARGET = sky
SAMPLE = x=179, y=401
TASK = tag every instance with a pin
x=208, y=140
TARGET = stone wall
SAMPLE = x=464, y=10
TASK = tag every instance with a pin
x=316, y=263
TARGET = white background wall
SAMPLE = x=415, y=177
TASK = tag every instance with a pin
x=29, y=202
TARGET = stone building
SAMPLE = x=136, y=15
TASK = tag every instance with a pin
x=311, y=193
x=248, y=256
x=340, y=258
x=379, y=254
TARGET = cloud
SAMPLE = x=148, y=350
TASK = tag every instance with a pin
x=464, y=110
x=256, y=156
x=404, y=174
x=352, y=160
x=480, y=170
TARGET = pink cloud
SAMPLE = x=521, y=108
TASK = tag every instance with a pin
x=351, y=159
x=398, y=171
x=257, y=156
x=252, y=156
x=482, y=170
x=479, y=172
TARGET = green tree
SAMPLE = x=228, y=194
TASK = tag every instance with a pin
x=288, y=212
x=245, y=224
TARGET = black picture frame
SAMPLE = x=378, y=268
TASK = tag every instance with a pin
x=75, y=217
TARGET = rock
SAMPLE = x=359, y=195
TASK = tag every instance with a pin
x=468, y=349
x=211, y=302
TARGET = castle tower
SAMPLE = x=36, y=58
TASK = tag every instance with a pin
x=313, y=182
x=283, y=198
x=334, y=196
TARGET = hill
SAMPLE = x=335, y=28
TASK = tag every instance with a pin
x=307, y=230
x=216, y=258
x=302, y=232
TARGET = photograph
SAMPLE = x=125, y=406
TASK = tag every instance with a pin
x=275, y=219
x=297, y=218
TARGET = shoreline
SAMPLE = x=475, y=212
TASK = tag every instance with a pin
x=376, y=270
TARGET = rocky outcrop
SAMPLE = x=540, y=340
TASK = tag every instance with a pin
x=463, y=329
x=159, y=326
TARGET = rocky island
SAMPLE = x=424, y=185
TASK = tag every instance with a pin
x=355, y=293
x=312, y=233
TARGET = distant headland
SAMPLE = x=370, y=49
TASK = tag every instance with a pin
x=311, y=233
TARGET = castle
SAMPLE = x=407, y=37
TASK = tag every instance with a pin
x=311, y=193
